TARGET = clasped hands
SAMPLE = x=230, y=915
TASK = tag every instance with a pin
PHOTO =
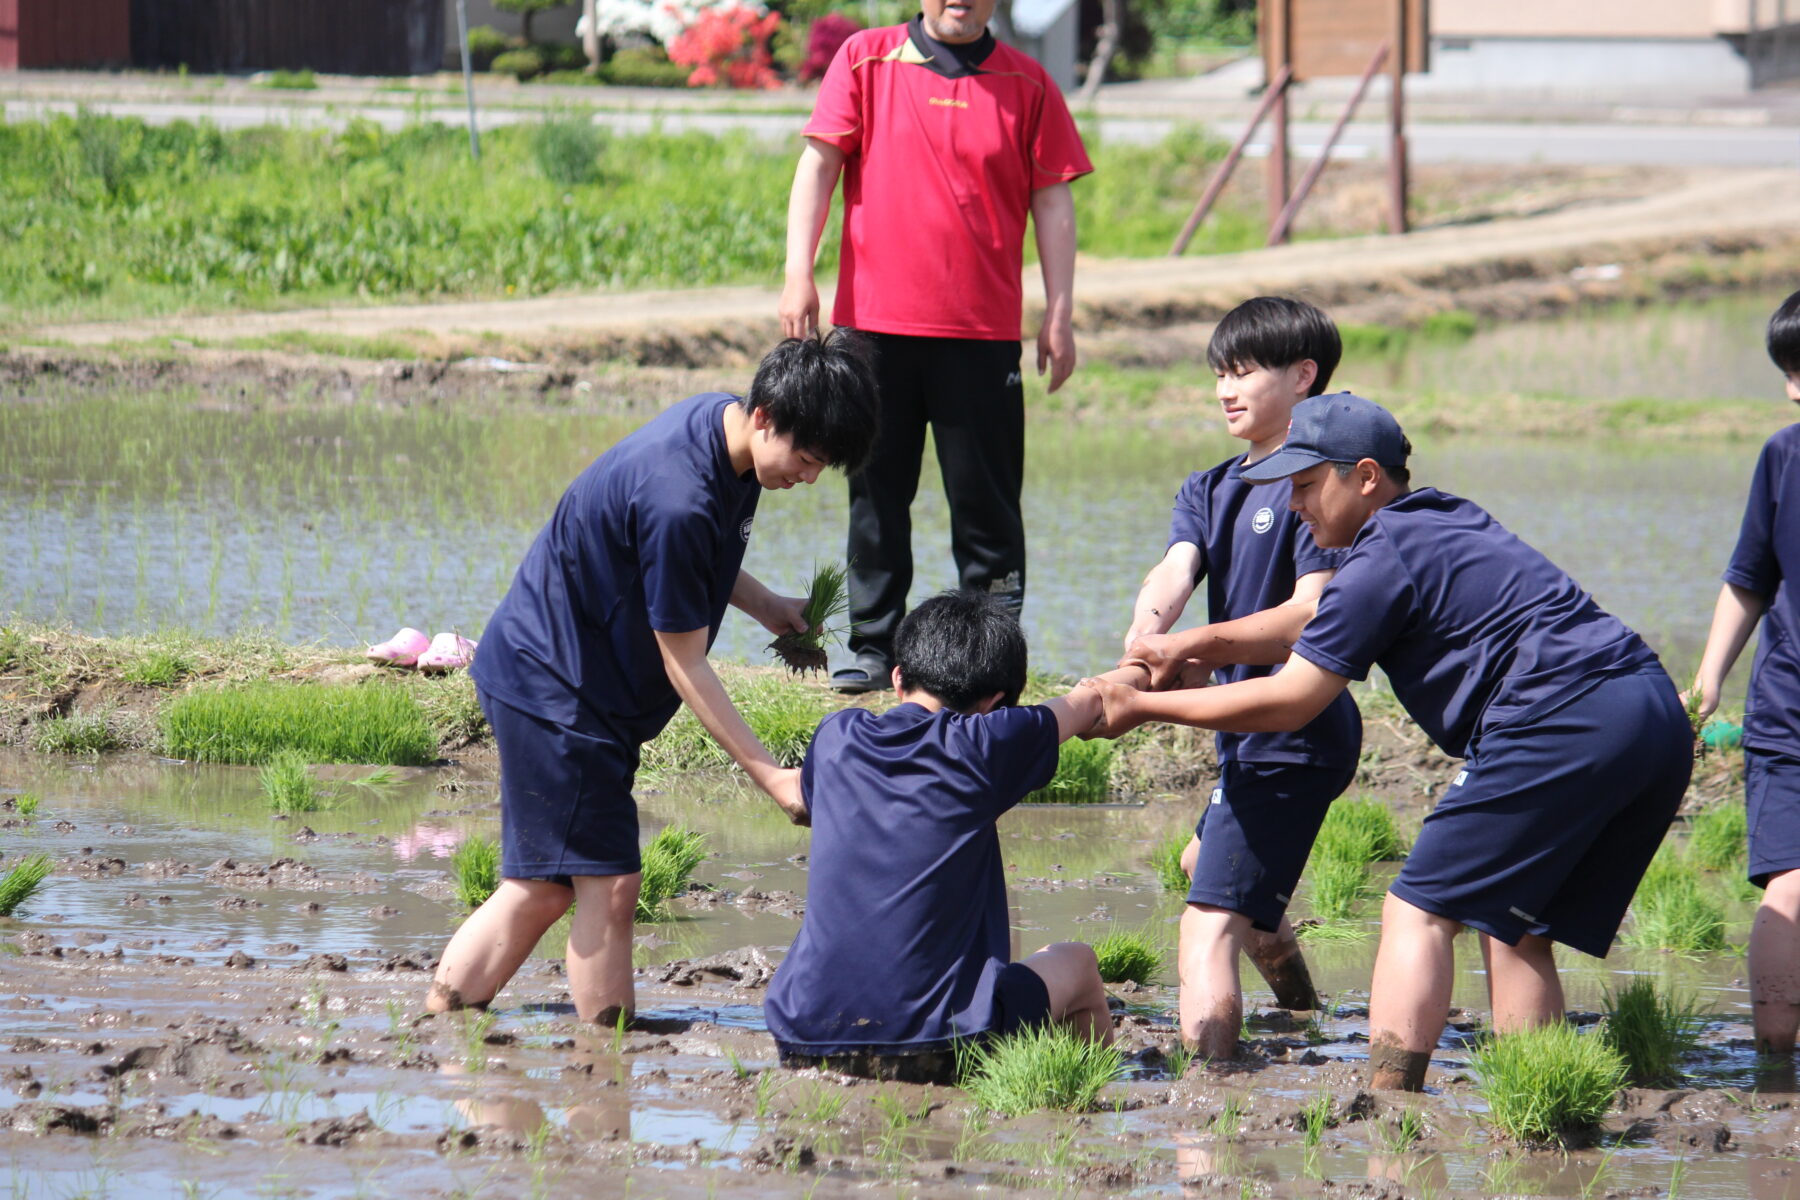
x=1166, y=666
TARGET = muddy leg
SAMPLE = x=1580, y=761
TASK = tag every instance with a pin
x=1212, y=1000
x=1775, y=966
x=1524, y=990
x=599, y=961
x=489, y=947
x=1278, y=959
x=1410, y=997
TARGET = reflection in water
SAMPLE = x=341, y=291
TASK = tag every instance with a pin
x=1424, y=1173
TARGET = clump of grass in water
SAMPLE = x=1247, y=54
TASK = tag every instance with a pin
x=1048, y=1066
x=1083, y=775
x=1651, y=1031
x=22, y=882
x=288, y=784
x=1128, y=954
x=1550, y=1084
x=669, y=861
x=25, y=804
x=475, y=870
x=78, y=733
x=1340, y=883
x=1364, y=827
x=1672, y=912
x=827, y=599
x=375, y=723
x=1718, y=837
x=1165, y=860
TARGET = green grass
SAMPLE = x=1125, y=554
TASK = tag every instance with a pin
x=568, y=149
x=1672, y=911
x=77, y=733
x=1339, y=884
x=26, y=804
x=1165, y=860
x=1129, y=954
x=294, y=81
x=669, y=861
x=1651, y=1030
x=782, y=713
x=158, y=668
x=372, y=723
x=827, y=599
x=475, y=870
x=288, y=784
x=1047, y=1066
x=1083, y=774
x=1551, y=1084
x=1718, y=837
x=1362, y=828
x=23, y=881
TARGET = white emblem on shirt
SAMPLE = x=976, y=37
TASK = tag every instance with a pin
x=1263, y=521
x=744, y=529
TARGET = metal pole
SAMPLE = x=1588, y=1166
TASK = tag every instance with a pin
x=1278, y=232
x=1223, y=175
x=1282, y=61
x=1397, y=173
x=462, y=37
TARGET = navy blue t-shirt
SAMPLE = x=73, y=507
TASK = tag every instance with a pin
x=650, y=537
x=906, y=923
x=1768, y=552
x=1474, y=628
x=1252, y=549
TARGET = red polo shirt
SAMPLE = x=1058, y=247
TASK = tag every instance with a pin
x=938, y=179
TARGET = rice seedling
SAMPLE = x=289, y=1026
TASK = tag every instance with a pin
x=1672, y=912
x=1165, y=860
x=1315, y=1118
x=1718, y=837
x=1083, y=775
x=1339, y=884
x=1048, y=1066
x=77, y=733
x=1330, y=931
x=375, y=723
x=1128, y=954
x=288, y=784
x=1651, y=1030
x=1230, y=1118
x=1550, y=1084
x=669, y=860
x=26, y=804
x=1177, y=1059
x=1361, y=827
x=158, y=668
x=23, y=881
x=475, y=870
x=827, y=599
x=1403, y=1132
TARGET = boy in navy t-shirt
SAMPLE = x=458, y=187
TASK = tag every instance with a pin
x=1252, y=840
x=1756, y=585
x=905, y=945
x=1578, y=748
x=604, y=633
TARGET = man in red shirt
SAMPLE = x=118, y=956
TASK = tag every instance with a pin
x=946, y=140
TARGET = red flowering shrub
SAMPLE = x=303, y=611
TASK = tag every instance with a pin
x=828, y=33
x=728, y=47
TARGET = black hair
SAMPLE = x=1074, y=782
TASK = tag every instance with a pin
x=962, y=647
x=821, y=391
x=1400, y=475
x=1275, y=332
x=1784, y=336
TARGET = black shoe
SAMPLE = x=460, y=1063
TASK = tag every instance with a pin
x=854, y=681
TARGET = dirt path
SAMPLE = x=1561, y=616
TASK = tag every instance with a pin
x=1699, y=213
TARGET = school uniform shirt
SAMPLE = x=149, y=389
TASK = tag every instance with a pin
x=1474, y=628
x=943, y=148
x=1252, y=549
x=1767, y=553
x=649, y=538
x=906, y=922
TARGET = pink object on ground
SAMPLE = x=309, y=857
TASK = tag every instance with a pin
x=401, y=650
x=447, y=652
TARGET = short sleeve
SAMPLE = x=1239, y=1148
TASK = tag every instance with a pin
x=1754, y=565
x=1187, y=522
x=837, y=111
x=1019, y=747
x=1057, y=154
x=1364, y=610
x=677, y=540
x=1309, y=556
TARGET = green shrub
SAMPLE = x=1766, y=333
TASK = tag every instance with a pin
x=372, y=723
x=1672, y=912
x=1718, y=837
x=1047, y=1066
x=23, y=881
x=297, y=81
x=158, y=668
x=1128, y=954
x=520, y=64
x=485, y=45
x=568, y=149
x=1165, y=860
x=1083, y=774
x=644, y=66
x=1361, y=827
x=669, y=860
x=475, y=870
x=288, y=784
x=1651, y=1031
x=77, y=733
x=1550, y=1084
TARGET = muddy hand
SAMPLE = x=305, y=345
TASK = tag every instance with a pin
x=1156, y=653
x=1118, y=705
x=784, y=788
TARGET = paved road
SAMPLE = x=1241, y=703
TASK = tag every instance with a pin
x=1700, y=145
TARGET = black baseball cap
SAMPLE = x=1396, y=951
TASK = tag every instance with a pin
x=1340, y=427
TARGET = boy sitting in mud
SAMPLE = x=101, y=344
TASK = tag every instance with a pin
x=905, y=945
x=1766, y=557
x=1252, y=840
x=604, y=633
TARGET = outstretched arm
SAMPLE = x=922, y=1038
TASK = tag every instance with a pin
x=1283, y=701
x=1078, y=711
x=1260, y=639
x=809, y=203
x=1734, y=617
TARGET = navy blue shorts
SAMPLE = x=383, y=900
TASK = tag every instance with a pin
x=1772, y=791
x=1550, y=825
x=1021, y=1000
x=565, y=798
x=1256, y=834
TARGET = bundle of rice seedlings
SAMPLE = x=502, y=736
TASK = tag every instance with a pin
x=288, y=784
x=1719, y=837
x=1672, y=912
x=1364, y=827
x=23, y=881
x=669, y=861
x=1340, y=882
x=827, y=598
x=373, y=723
x=77, y=733
x=1165, y=860
x=1651, y=1031
x=1046, y=1066
x=1132, y=954
x=475, y=870
x=1083, y=775
x=1550, y=1084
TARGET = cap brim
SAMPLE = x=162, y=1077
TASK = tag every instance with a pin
x=1289, y=460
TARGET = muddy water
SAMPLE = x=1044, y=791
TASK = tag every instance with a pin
x=233, y=1004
